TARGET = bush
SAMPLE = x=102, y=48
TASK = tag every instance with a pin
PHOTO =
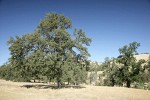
x=148, y=86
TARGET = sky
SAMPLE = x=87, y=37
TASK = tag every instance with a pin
x=110, y=24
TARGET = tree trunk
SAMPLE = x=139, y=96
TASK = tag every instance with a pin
x=68, y=81
x=75, y=83
x=128, y=83
x=58, y=84
x=113, y=82
x=90, y=81
x=49, y=81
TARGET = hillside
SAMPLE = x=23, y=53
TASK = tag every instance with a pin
x=142, y=56
x=15, y=91
x=97, y=76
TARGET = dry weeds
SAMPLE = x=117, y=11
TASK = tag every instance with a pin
x=15, y=91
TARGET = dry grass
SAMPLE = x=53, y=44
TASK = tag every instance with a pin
x=14, y=91
x=142, y=56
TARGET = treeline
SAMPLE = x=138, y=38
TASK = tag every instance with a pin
x=53, y=54
x=124, y=70
x=50, y=53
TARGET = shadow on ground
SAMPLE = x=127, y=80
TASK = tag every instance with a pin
x=41, y=86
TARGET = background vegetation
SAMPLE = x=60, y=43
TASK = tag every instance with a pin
x=52, y=54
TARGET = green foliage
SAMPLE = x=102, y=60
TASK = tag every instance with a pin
x=54, y=54
x=50, y=51
x=129, y=69
x=5, y=72
x=93, y=69
x=148, y=86
x=110, y=71
x=145, y=76
x=126, y=69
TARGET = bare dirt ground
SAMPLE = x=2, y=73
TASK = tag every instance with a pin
x=16, y=91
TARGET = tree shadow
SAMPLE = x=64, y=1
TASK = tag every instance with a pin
x=46, y=86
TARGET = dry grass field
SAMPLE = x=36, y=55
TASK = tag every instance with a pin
x=16, y=91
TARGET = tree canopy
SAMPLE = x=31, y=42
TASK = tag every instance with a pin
x=51, y=51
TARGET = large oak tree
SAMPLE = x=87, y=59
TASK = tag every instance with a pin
x=51, y=51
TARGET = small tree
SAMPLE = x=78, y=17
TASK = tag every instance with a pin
x=128, y=61
x=110, y=71
x=93, y=72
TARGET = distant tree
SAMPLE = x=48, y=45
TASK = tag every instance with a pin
x=93, y=72
x=145, y=76
x=110, y=71
x=129, y=69
x=6, y=72
x=137, y=70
